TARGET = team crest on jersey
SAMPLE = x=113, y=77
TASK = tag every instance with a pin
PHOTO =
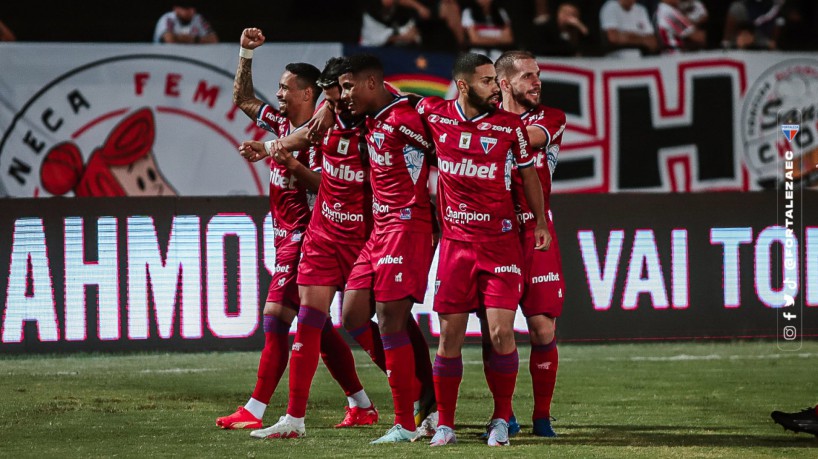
x=487, y=143
x=378, y=138
x=343, y=146
x=465, y=140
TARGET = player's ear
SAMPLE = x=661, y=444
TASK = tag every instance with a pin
x=462, y=86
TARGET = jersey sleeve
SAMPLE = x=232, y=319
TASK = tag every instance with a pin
x=316, y=159
x=414, y=130
x=521, y=146
x=553, y=126
x=270, y=119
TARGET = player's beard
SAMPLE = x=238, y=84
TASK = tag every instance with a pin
x=482, y=104
x=520, y=98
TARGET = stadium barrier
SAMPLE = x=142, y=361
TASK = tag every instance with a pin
x=185, y=274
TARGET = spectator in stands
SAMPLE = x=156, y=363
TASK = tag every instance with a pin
x=542, y=12
x=799, y=21
x=695, y=11
x=6, y=33
x=676, y=31
x=752, y=24
x=488, y=28
x=567, y=36
x=626, y=28
x=438, y=22
x=388, y=22
x=184, y=25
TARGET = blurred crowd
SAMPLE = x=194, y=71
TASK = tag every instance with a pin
x=545, y=27
x=592, y=27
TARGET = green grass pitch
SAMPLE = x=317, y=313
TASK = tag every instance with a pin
x=674, y=400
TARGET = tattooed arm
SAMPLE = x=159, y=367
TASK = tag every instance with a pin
x=243, y=95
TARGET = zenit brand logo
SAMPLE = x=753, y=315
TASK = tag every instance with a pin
x=131, y=125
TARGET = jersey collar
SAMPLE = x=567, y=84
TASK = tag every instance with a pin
x=462, y=113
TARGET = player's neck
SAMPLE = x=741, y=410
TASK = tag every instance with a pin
x=301, y=114
x=382, y=99
x=468, y=110
x=511, y=105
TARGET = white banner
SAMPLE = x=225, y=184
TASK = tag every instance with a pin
x=132, y=120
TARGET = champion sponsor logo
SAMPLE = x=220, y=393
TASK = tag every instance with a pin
x=550, y=277
x=406, y=213
x=414, y=136
x=506, y=225
x=343, y=172
x=279, y=180
x=279, y=232
x=465, y=216
x=514, y=269
x=334, y=214
x=467, y=168
x=378, y=137
x=378, y=208
x=484, y=126
x=282, y=268
x=399, y=277
x=544, y=366
x=297, y=346
x=390, y=260
x=487, y=143
x=442, y=120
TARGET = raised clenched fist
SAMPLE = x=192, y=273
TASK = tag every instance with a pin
x=252, y=38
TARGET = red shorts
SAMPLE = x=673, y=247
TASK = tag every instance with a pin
x=544, y=288
x=326, y=261
x=283, y=288
x=394, y=265
x=474, y=274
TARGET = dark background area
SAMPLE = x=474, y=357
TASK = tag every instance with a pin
x=281, y=20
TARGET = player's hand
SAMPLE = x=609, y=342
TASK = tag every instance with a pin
x=252, y=150
x=542, y=238
x=251, y=38
x=282, y=156
x=320, y=124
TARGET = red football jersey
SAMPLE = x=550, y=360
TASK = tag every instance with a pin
x=552, y=122
x=475, y=157
x=289, y=200
x=398, y=143
x=343, y=208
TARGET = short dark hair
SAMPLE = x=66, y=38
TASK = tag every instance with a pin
x=505, y=63
x=306, y=75
x=364, y=63
x=466, y=64
x=335, y=67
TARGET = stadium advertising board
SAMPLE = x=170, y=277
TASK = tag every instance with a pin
x=189, y=273
x=689, y=122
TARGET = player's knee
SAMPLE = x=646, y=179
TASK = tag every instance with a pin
x=502, y=337
x=541, y=335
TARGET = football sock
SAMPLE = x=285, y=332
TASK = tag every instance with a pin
x=255, y=407
x=369, y=338
x=543, y=366
x=423, y=365
x=400, y=371
x=273, y=359
x=338, y=358
x=304, y=358
x=359, y=399
x=504, y=367
x=448, y=373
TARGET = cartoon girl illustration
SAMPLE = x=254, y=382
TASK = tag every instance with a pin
x=123, y=166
